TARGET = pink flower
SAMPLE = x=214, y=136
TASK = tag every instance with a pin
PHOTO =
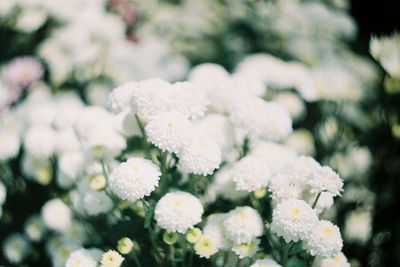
x=23, y=71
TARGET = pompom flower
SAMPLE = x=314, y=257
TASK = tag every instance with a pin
x=265, y=263
x=178, y=211
x=84, y=258
x=242, y=225
x=134, y=179
x=97, y=202
x=169, y=131
x=15, y=248
x=325, y=240
x=215, y=229
x=250, y=173
x=206, y=247
x=339, y=260
x=56, y=215
x=294, y=220
x=111, y=259
x=202, y=156
x=119, y=99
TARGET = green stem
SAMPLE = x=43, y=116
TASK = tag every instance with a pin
x=135, y=258
x=172, y=255
x=190, y=258
x=285, y=254
x=316, y=200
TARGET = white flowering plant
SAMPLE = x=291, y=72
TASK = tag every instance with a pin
x=216, y=169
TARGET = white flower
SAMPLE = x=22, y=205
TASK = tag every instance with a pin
x=325, y=240
x=134, y=179
x=324, y=202
x=178, y=211
x=265, y=263
x=111, y=259
x=15, y=248
x=208, y=74
x=30, y=19
x=206, y=246
x=119, y=99
x=250, y=173
x=3, y=194
x=294, y=220
x=261, y=119
x=225, y=186
x=71, y=164
x=105, y=143
x=97, y=202
x=93, y=119
x=151, y=98
x=339, y=260
x=201, y=156
x=292, y=103
x=275, y=156
x=188, y=99
x=34, y=228
x=84, y=258
x=56, y=215
x=358, y=226
x=324, y=179
x=218, y=127
x=9, y=144
x=169, y=131
x=285, y=185
x=215, y=230
x=301, y=141
x=247, y=249
x=40, y=141
x=242, y=225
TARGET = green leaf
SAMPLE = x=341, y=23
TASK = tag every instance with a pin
x=149, y=215
x=296, y=262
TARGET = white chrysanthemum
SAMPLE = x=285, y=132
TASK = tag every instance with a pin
x=67, y=141
x=292, y=103
x=324, y=179
x=285, y=185
x=119, y=99
x=68, y=108
x=169, y=131
x=214, y=229
x=262, y=119
x=358, y=226
x=206, y=246
x=151, y=97
x=275, y=156
x=40, y=141
x=339, y=260
x=83, y=258
x=3, y=193
x=294, y=220
x=9, y=144
x=111, y=259
x=208, y=74
x=265, y=263
x=301, y=141
x=242, y=225
x=105, y=143
x=71, y=164
x=201, y=156
x=134, y=179
x=127, y=124
x=15, y=248
x=178, y=211
x=225, y=186
x=218, y=127
x=188, y=99
x=325, y=240
x=247, y=249
x=56, y=215
x=250, y=173
x=97, y=202
x=93, y=119
x=34, y=228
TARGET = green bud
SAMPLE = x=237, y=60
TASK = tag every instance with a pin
x=170, y=238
